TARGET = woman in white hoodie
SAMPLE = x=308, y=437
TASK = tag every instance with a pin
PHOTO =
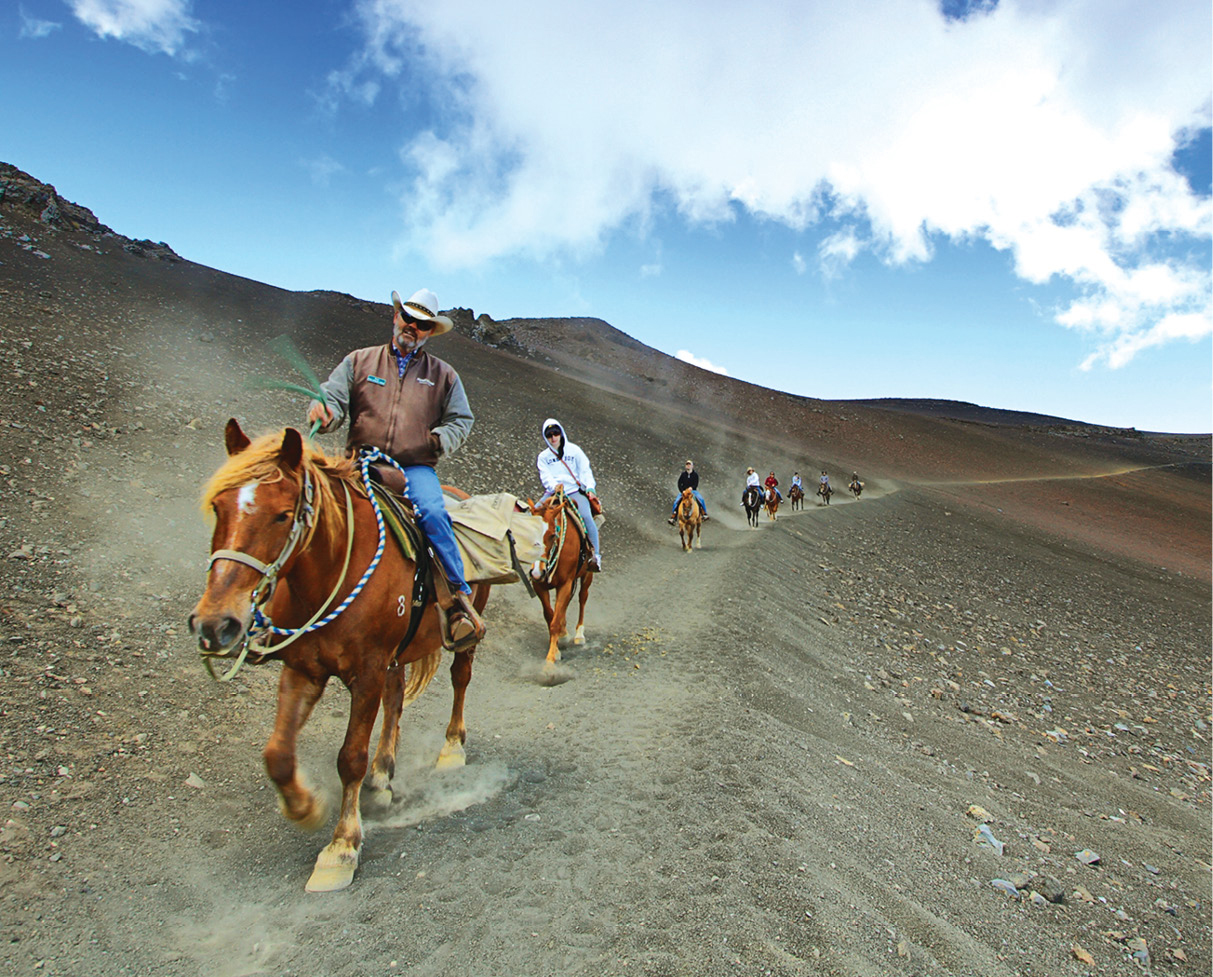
x=563, y=463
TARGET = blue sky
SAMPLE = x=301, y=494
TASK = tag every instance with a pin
x=1000, y=202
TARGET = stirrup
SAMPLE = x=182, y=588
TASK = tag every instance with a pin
x=462, y=628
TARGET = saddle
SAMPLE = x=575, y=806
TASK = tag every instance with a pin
x=401, y=521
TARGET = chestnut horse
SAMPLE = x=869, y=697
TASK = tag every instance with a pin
x=796, y=497
x=565, y=565
x=856, y=487
x=751, y=498
x=690, y=523
x=772, y=503
x=286, y=520
x=824, y=492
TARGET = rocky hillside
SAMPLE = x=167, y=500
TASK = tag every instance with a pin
x=960, y=726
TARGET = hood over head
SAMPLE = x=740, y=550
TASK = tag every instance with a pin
x=564, y=438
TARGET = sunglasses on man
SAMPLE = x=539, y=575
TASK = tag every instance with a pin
x=421, y=325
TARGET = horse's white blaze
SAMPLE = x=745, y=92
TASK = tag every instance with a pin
x=246, y=499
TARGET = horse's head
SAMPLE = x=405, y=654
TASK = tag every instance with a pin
x=687, y=506
x=550, y=507
x=260, y=517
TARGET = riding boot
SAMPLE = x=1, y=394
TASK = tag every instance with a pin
x=462, y=627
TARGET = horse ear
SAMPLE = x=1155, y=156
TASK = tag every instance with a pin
x=234, y=439
x=292, y=448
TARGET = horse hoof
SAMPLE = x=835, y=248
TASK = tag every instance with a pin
x=376, y=799
x=451, y=757
x=579, y=637
x=335, y=867
x=311, y=819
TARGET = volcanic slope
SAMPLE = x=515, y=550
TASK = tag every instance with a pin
x=773, y=755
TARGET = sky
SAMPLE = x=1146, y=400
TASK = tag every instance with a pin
x=1005, y=202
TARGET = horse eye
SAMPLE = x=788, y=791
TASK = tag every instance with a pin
x=282, y=517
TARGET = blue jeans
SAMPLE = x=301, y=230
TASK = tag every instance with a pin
x=425, y=492
x=583, y=506
x=703, y=506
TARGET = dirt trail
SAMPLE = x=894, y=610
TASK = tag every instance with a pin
x=760, y=763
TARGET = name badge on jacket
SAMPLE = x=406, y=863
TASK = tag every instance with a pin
x=379, y=380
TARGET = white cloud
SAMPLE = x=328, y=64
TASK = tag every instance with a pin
x=322, y=169
x=704, y=364
x=837, y=251
x=1044, y=128
x=151, y=25
x=798, y=263
x=35, y=29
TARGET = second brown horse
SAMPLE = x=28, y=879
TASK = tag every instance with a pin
x=564, y=567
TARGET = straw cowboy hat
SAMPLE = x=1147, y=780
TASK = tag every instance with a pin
x=423, y=305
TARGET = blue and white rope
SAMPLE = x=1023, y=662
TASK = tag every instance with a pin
x=365, y=456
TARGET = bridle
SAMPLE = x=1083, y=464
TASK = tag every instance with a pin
x=305, y=517
x=559, y=528
x=252, y=648
x=692, y=505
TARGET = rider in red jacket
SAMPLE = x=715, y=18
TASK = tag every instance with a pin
x=773, y=483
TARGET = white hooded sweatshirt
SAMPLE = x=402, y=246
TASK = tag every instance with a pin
x=570, y=469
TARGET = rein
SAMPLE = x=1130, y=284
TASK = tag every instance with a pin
x=560, y=523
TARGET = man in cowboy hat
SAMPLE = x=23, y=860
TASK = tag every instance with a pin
x=751, y=481
x=412, y=406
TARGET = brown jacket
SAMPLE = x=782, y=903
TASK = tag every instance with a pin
x=397, y=415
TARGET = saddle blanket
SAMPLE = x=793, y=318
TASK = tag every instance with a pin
x=486, y=527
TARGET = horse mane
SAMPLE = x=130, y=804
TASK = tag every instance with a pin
x=259, y=462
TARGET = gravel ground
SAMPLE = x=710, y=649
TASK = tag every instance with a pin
x=774, y=755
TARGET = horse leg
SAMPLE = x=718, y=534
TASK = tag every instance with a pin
x=549, y=613
x=698, y=541
x=297, y=696
x=337, y=861
x=377, y=789
x=582, y=594
x=558, y=625
x=452, y=754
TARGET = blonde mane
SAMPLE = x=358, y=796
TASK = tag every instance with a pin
x=259, y=462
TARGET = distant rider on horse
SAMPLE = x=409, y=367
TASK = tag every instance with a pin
x=751, y=481
x=796, y=481
x=772, y=483
x=825, y=484
x=688, y=478
x=563, y=463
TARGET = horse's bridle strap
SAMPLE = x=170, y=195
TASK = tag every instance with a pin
x=250, y=561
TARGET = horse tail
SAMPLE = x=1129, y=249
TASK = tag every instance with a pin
x=420, y=673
